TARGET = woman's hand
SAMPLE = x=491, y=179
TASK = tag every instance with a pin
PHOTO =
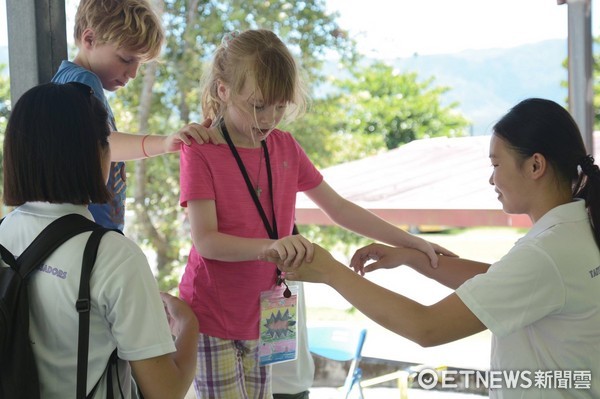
x=384, y=257
x=179, y=314
x=319, y=269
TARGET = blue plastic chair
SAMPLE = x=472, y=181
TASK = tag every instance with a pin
x=340, y=343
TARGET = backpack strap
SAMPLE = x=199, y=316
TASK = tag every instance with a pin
x=53, y=236
x=83, y=306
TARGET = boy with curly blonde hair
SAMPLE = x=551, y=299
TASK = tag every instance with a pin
x=114, y=37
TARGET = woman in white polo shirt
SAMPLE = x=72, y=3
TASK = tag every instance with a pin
x=56, y=162
x=541, y=301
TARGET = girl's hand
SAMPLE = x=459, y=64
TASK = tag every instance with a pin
x=292, y=251
x=319, y=270
x=200, y=133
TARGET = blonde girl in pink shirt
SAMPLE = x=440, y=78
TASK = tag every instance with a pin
x=240, y=198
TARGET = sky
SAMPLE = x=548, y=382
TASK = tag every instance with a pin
x=401, y=28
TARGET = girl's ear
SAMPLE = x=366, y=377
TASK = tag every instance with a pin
x=538, y=165
x=223, y=91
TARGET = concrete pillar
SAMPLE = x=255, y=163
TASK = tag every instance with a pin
x=581, y=84
x=37, y=42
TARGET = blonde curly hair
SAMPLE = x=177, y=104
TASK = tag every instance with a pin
x=129, y=24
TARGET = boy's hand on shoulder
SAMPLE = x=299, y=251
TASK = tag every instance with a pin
x=200, y=133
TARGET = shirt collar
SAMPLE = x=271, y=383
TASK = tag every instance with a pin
x=56, y=210
x=571, y=212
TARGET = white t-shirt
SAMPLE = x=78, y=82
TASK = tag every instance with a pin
x=297, y=375
x=541, y=301
x=126, y=310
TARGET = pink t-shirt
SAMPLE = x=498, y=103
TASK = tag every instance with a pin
x=225, y=295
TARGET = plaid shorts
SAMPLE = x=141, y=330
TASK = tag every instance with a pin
x=229, y=369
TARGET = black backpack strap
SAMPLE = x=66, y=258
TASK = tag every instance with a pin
x=53, y=236
x=83, y=306
x=49, y=239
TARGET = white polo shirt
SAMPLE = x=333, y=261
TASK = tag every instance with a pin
x=126, y=310
x=541, y=301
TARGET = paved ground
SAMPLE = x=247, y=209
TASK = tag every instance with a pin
x=382, y=393
x=390, y=393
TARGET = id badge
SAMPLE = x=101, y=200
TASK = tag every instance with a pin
x=278, y=335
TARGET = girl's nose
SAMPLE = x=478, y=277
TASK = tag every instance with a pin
x=267, y=119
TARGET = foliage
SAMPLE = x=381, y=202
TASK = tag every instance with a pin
x=195, y=28
x=596, y=83
x=325, y=136
x=378, y=100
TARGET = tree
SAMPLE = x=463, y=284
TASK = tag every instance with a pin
x=374, y=109
x=377, y=100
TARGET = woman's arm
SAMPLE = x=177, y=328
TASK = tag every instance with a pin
x=447, y=320
x=451, y=271
x=170, y=376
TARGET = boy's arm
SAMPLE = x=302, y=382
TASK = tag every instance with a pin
x=170, y=376
x=359, y=220
x=128, y=147
x=451, y=271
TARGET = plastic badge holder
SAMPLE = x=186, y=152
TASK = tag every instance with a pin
x=278, y=324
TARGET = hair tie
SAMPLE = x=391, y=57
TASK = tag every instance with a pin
x=588, y=167
x=228, y=37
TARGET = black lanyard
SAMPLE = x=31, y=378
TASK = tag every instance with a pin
x=271, y=229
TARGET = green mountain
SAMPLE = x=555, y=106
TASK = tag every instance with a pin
x=486, y=83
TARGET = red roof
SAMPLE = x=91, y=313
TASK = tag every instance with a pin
x=437, y=181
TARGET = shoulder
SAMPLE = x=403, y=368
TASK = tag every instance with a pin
x=120, y=248
x=281, y=135
x=203, y=150
x=283, y=139
x=71, y=72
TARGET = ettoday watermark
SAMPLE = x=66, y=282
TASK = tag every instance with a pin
x=504, y=379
